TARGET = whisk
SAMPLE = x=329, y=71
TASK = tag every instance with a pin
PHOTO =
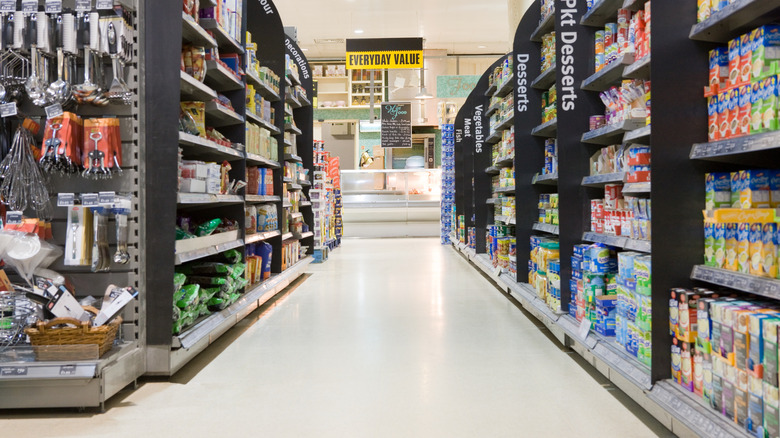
x=23, y=184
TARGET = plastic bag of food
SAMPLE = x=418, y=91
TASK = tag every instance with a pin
x=187, y=297
x=182, y=234
x=238, y=270
x=207, y=293
x=205, y=281
x=179, y=280
x=208, y=268
x=206, y=228
x=232, y=256
x=176, y=314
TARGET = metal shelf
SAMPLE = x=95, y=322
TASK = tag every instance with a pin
x=546, y=26
x=716, y=150
x=219, y=117
x=549, y=179
x=205, y=198
x=601, y=180
x=492, y=170
x=262, y=198
x=294, y=80
x=506, y=220
x=612, y=134
x=766, y=287
x=257, y=159
x=491, y=90
x=304, y=183
x=263, y=124
x=496, y=136
x=547, y=228
x=506, y=190
x=222, y=78
x=634, y=5
x=292, y=128
x=289, y=98
x=306, y=235
x=194, y=33
x=262, y=88
x=735, y=19
x=305, y=204
x=206, y=251
x=292, y=158
x=296, y=215
x=545, y=80
x=287, y=236
x=602, y=12
x=505, y=87
x=610, y=75
x=491, y=201
x=294, y=187
x=493, y=109
x=226, y=42
x=204, y=148
x=636, y=188
x=638, y=136
x=192, y=88
x=304, y=101
x=618, y=242
x=640, y=69
x=548, y=129
x=505, y=162
x=259, y=237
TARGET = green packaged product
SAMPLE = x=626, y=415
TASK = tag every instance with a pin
x=179, y=280
x=206, y=293
x=232, y=256
x=176, y=314
x=187, y=296
x=206, y=228
x=203, y=309
x=182, y=234
x=205, y=280
x=208, y=268
x=238, y=270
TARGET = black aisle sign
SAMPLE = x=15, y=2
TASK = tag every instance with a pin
x=396, y=125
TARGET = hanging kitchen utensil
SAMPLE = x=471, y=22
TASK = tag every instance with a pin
x=118, y=92
x=34, y=85
x=88, y=92
x=51, y=146
x=95, y=167
x=122, y=255
x=101, y=255
x=23, y=184
x=59, y=90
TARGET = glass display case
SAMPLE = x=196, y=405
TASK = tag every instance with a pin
x=391, y=203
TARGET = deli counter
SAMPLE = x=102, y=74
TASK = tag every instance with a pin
x=391, y=203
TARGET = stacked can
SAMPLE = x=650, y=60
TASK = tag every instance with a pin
x=550, y=156
x=548, y=51
x=611, y=49
x=600, y=60
x=447, y=181
x=623, y=22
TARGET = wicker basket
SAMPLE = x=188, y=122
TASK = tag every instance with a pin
x=71, y=332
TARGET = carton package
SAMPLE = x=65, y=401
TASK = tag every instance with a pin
x=731, y=247
x=754, y=189
x=718, y=190
x=755, y=408
x=756, y=108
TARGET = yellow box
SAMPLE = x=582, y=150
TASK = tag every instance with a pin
x=743, y=248
x=756, y=239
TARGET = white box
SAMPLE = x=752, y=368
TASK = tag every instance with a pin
x=213, y=186
x=190, y=185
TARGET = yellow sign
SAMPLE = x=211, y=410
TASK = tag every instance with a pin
x=738, y=216
x=384, y=60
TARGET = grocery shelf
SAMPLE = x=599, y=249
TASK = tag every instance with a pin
x=493, y=108
x=492, y=170
x=305, y=204
x=547, y=129
x=304, y=183
x=618, y=242
x=195, y=146
x=286, y=204
x=498, y=133
x=546, y=26
x=608, y=350
x=194, y=89
x=638, y=136
x=735, y=19
x=601, y=13
x=219, y=116
x=548, y=179
x=294, y=187
x=296, y=215
x=222, y=78
x=304, y=101
x=506, y=190
x=195, y=34
x=287, y=180
x=491, y=90
x=262, y=88
x=545, y=80
x=287, y=236
x=505, y=162
x=546, y=228
x=287, y=142
x=601, y=180
x=259, y=237
x=288, y=81
x=640, y=69
x=186, y=345
x=257, y=159
x=306, y=235
x=289, y=98
x=205, y=198
x=292, y=158
x=634, y=5
x=294, y=80
x=292, y=128
x=765, y=287
x=505, y=87
x=731, y=148
x=205, y=247
x=262, y=198
x=263, y=123
x=506, y=220
x=226, y=42
x=611, y=74
x=612, y=134
x=636, y=188
x=491, y=201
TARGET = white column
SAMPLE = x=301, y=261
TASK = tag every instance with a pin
x=516, y=9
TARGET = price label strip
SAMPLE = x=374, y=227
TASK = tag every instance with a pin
x=53, y=111
x=9, y=109
x=66, y=199
x=7, y=5
x=90, y=200
x=106, y=198
x=53, y=6
x=14, y=218
x=83, y=5
x=29, y=5
x=105, y=4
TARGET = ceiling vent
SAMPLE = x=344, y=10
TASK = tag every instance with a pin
x=330, y=41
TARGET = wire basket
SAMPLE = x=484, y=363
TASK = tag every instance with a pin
x=16, y=312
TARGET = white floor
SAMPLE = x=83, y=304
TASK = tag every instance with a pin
x=389, y=338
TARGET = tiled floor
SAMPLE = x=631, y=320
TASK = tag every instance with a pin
x=389, y=338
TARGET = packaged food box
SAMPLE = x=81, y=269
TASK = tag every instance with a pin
x=731, y=247
x=774, y=188
x=743, y=248
x=717, y=190
x=769, y=245
x=745, y=59
x=756, y=108
x=713, y=133
x=771, y=399
x=719, y=68
x=719, y=245
x=769, y=98
x=754, y=189
x=734, y=62
x=723, y=115
x=765, y=51
x=745, y=109
x=733, y=107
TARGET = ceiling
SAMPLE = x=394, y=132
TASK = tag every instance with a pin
x=457, y=26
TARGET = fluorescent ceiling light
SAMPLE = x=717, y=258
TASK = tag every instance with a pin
x=358, y=30
x=482, y=47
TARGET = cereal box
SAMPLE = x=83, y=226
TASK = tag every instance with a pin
x=733, y=107
x=734, y=62
x=755, y=192
x=723, y=115
x=756, y=108
x=717, y=190
x=744, y=109
x=719, y=68
x=766, y=51
x=769, y=104
x=709, y=244
x=771, y=398
x=719, y=245
x=736, y=190
x=769, y=251
x=745, y=58
x=774, y=188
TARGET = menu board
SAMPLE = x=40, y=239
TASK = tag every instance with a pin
x=396, y=125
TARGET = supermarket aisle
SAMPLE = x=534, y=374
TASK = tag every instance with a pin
x=395, y=338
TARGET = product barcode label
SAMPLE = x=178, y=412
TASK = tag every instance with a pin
x=9, y=109
x=83, y=5
x=53, y=111
x=66, y=199
x=90, y=200
x=584, y=329
x=7, y=5
x=29, y=5
x=14, y=217
x=13, y=371
x=53, y=6
x=67, y=370
x=106, y=198
x=105, y=4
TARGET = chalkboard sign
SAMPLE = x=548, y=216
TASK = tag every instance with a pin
x=396, y=125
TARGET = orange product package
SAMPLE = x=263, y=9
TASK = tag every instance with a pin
x=102, y=144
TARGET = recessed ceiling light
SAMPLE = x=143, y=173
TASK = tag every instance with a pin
x=482, y=47
x=304, y=49
x=358, y=30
